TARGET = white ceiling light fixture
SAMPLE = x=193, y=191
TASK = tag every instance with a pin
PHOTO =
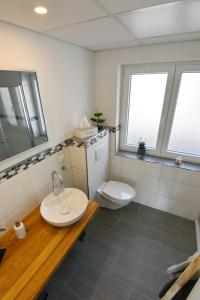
x=41, y=10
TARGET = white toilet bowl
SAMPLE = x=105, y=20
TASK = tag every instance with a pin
x=114, y=194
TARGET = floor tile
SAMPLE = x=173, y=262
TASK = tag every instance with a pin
x=187, y=226
x=121, y=241
x=140, y=227
x=173, y=255
x=66, y=269
x=57, y=292
x=160, y=218
x=99, y=247
x=93, y=259
x=124, y=255
x=134, y=295
x=182, y=241
x=141, y=276
x=98, y=282
x=131, y=210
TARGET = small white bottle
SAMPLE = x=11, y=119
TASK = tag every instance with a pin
x=20, y=230
x=178, y=160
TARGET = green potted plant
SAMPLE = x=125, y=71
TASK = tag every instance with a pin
x=141, y=148
x=98, y=119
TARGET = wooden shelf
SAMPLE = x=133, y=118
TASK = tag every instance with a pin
x=29, y=263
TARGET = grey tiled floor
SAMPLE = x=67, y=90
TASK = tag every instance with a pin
x=124, y=256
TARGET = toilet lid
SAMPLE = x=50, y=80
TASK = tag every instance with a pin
x=119, y=190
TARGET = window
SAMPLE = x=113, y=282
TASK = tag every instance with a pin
x=161, y=105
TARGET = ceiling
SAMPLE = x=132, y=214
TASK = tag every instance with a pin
x=106, y=24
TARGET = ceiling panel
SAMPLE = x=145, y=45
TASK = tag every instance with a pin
x=101, y=31
x=117, y=6
x=117, y=45
x=60, y=13
x=167, y=19
x=171, y=38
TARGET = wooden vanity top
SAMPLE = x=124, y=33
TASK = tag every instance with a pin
x=29, y=263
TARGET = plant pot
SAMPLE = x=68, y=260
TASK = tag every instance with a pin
x=100, y=127
x=141, y=152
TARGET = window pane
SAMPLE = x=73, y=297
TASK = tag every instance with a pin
x=186, y=124
x=147, y=93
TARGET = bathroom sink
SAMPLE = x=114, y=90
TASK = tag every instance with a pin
x=64, y=209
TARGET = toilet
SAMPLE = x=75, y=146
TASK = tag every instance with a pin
x=115, y=194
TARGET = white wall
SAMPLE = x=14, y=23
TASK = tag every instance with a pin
x=79, y=168
x=90, y=169
x=107, y=67
x=166, y=188
x=170, y=189
x=98, y=164
x=65, y=75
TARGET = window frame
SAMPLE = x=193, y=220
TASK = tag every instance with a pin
x=175, y=70
x=171, y=114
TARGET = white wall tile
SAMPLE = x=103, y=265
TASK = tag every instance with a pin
x=146, y=198
x=179, y=192
x=187, y=177
x=141, y=181
x=67, y=158
x=80, y=179
x=19, y=213
x=115, y=174
x=115, y=161
x=153, y=181
x=40, y=176
x=148, y=168
x=15, y=192
x=176, y=207
x=112, y=142
x=69, y=178
x=78, y=158
x=98, y=168
x=151, y=188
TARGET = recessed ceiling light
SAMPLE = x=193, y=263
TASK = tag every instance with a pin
x=41, y=10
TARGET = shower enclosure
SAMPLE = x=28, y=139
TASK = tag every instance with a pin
x=22, y=124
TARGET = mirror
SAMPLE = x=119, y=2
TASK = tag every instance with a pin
x=22, y=124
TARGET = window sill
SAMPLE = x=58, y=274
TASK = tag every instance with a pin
x=161, y=160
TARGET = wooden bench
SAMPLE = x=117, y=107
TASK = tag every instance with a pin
x=29, y=263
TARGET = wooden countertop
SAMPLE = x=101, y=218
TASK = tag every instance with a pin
x=29, y=263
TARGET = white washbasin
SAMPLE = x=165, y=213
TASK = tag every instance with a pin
x=65, y=209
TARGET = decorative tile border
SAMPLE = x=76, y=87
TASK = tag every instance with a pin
x=27, y=163
x=85, y=143
x=97, y=137
x=114, y=129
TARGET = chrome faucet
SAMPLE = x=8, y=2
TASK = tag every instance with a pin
x=57, y=181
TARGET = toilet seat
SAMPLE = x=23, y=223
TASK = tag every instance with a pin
x=115, y=194
x=118, y=191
